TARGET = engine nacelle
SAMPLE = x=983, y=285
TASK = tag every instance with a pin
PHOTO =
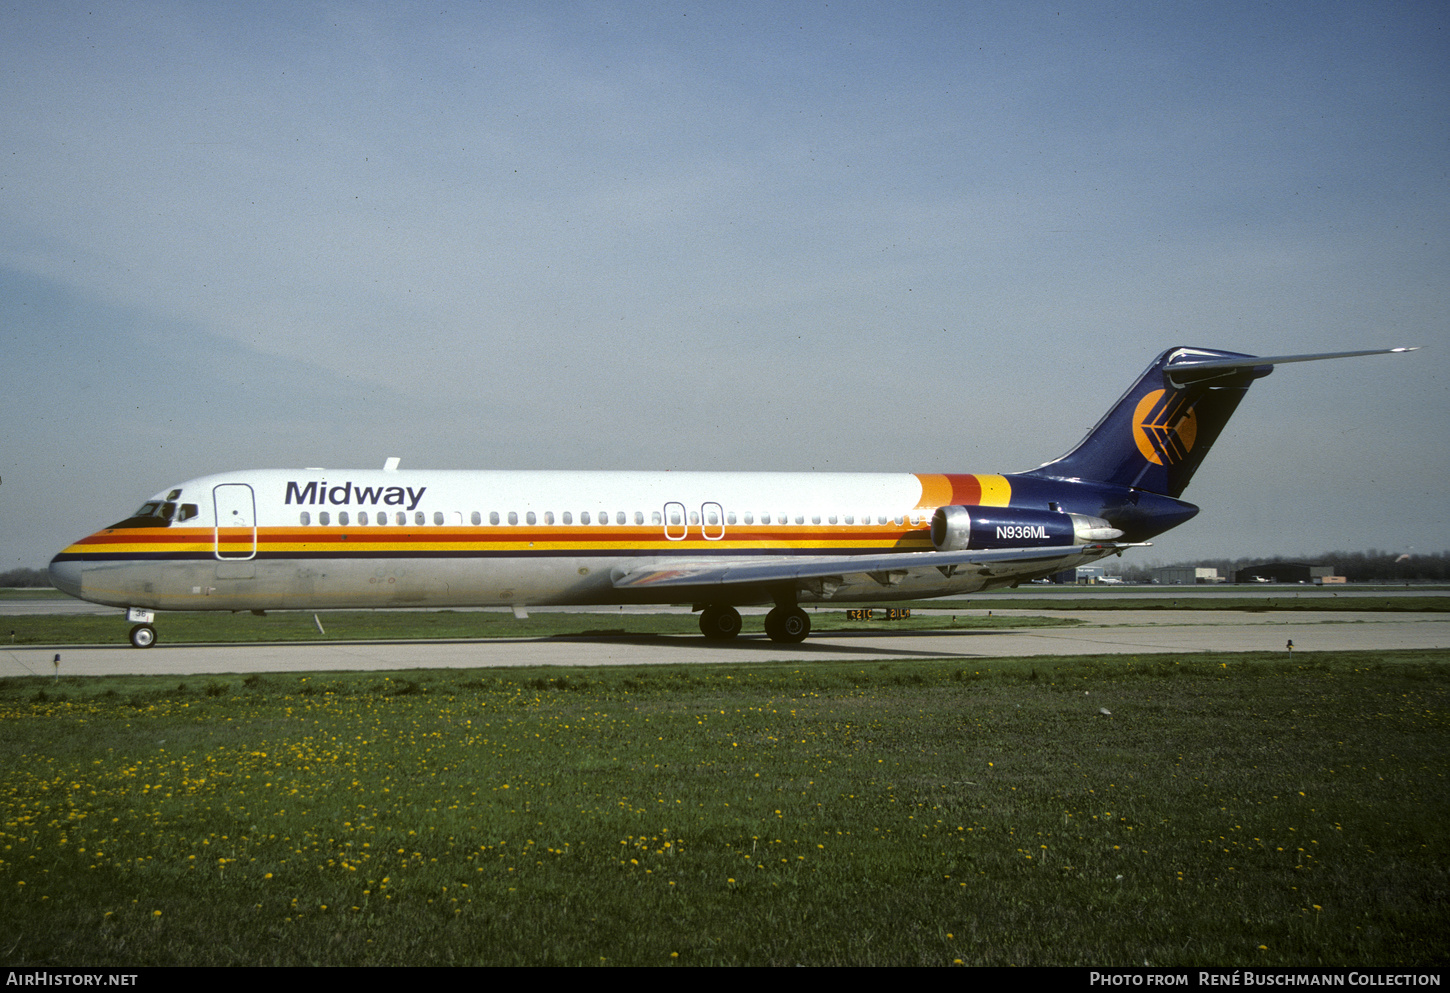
x=956, y=529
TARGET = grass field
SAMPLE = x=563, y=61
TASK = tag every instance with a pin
x=1253, y=602
x=1231, y=810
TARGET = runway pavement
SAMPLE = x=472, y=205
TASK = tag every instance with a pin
x=1116, y=632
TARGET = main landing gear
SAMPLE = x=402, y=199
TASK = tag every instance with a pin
x=719, y=622
x=788, y=625
x=785, y=624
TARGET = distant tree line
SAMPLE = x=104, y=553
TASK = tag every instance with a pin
x=1373, y=566
x=28, y=578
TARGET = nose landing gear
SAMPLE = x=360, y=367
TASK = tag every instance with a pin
x=143, y=635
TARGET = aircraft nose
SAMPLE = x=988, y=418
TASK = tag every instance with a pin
x=66, y=576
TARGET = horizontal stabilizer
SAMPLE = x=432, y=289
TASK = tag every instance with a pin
x=1190, y=370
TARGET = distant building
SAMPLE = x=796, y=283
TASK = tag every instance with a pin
x=1186, y=577
x=1084, y=575
x=1287, y=572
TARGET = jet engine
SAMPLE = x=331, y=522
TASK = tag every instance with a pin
x=964, y=528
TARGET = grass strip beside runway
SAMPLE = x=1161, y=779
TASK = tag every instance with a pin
x=1228, y=809
x=1018, y=600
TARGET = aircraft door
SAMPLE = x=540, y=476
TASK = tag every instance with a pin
x=236, y=521
x=676, y=523
x=712, y=521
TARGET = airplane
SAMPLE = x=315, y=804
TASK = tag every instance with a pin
x=281, y=539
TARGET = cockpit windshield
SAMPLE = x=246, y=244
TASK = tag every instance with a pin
x=159, y=513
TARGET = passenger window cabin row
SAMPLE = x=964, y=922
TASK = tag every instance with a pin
x=712, y=518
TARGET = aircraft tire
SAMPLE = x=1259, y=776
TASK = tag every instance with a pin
x=787, y=625
x=719, y=622
x=143, y=636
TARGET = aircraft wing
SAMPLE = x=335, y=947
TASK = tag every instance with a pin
x=783, y=568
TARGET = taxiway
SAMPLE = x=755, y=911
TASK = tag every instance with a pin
x=1104, y=632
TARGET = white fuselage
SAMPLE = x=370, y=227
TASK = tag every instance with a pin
x=277, y=539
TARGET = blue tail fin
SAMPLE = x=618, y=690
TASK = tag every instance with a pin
x=1155, y=436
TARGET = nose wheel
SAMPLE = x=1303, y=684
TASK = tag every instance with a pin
x=143, y=635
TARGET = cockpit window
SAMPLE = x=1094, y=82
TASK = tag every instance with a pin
x=158, y=514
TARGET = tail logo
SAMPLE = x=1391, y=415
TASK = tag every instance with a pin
x=1164, y=427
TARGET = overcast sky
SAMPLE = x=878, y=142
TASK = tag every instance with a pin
x=881, y=236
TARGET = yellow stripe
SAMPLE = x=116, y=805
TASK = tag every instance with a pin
x=996, y=491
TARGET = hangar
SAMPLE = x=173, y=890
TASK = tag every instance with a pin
x=1287, y=572
x=1186, y=576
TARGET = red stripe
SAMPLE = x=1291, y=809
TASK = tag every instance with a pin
x=966, y=489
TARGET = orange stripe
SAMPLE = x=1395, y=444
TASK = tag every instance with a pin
x=360, y=542
x=936, y=491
